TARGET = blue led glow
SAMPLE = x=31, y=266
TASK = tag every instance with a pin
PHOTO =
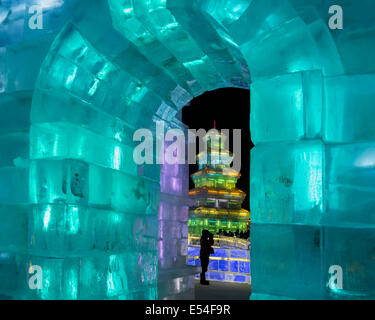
x=244, y=267
x=233, y=266
x=214, y=265
x=223, y=265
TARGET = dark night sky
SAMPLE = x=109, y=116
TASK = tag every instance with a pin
x=231, y=109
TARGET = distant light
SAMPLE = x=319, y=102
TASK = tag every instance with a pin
x=299, y=99
x=366, y=159
x=94, y=87
x=47, y=217
x=117, y=158
x=49, y=4
x=73, y=220
x=128, y=10
x=70, y=78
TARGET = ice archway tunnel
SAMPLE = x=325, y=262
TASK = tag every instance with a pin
x=71, y=95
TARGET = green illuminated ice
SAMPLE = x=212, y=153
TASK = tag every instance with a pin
x=72, y=93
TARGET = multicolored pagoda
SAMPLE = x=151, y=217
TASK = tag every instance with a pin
x=217, y=201
x=217, y=208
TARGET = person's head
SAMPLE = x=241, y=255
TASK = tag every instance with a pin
x=205, y=233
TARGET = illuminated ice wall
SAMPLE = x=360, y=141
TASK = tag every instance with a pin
x=73, y=92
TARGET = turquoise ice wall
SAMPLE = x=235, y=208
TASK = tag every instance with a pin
x=71, y=95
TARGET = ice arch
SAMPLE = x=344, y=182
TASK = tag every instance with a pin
x=73, y=201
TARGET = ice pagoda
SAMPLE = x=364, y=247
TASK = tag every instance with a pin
x=217, y=208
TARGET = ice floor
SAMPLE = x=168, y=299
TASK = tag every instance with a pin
x=222, y=291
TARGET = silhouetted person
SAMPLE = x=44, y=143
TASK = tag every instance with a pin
x=220, y=232
x=241, y=235
x=225, y=233
x=207, y=241
x=247, y=234
x=237, y=233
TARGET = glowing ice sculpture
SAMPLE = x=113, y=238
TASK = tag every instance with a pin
x=73, y=92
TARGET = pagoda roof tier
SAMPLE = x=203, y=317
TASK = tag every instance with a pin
x=221, y=154
x=207, y=171
x=232, y=214
x=235, y=194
